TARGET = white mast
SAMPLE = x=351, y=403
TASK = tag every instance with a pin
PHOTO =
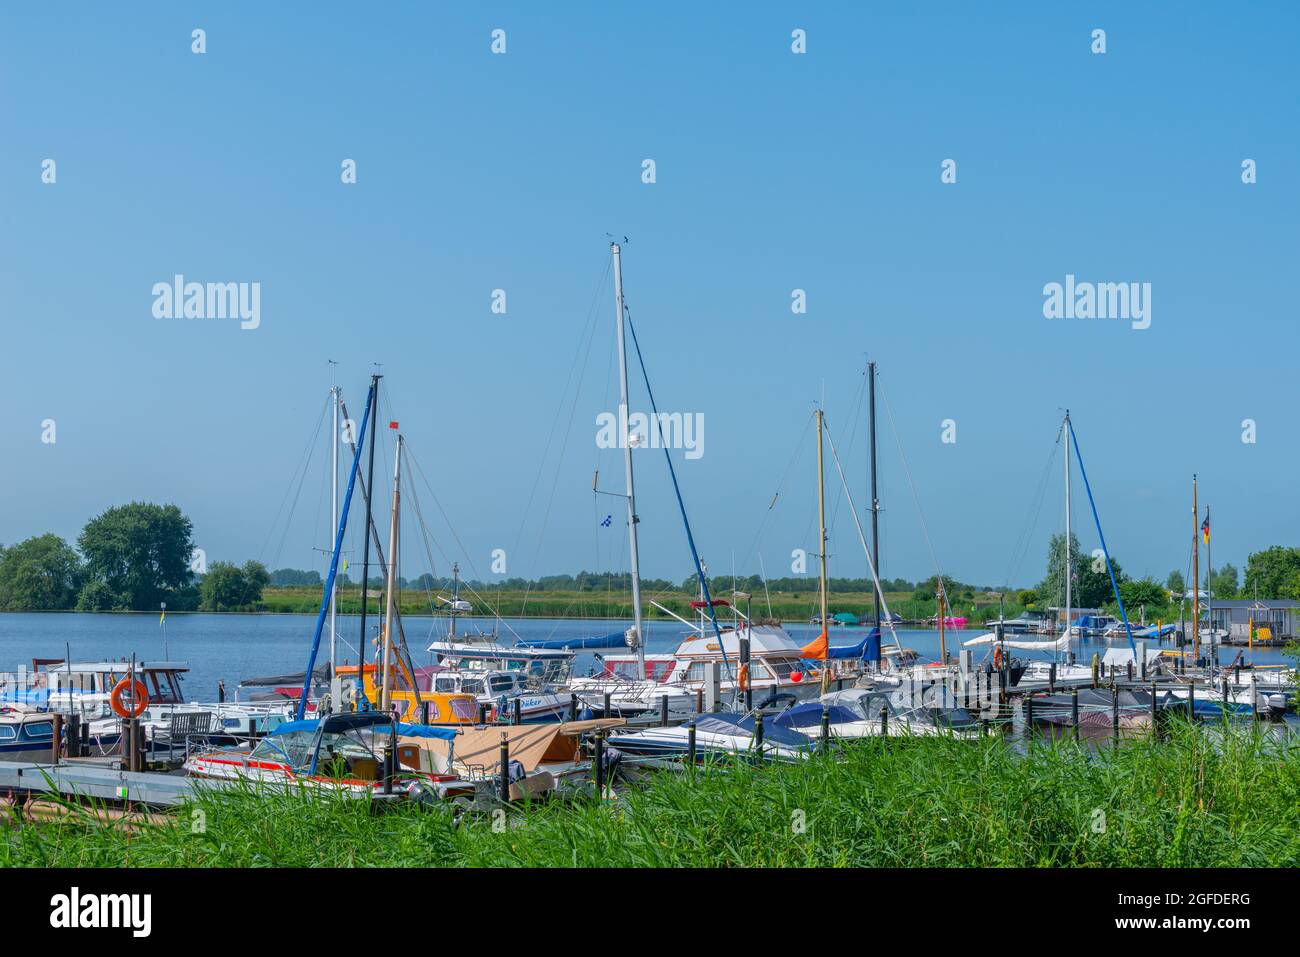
x=627, y=460
x=1069, y=563
x=385, y=688
x=335, y=687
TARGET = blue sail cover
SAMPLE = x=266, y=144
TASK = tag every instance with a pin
x=616, y=640
x=868, y=647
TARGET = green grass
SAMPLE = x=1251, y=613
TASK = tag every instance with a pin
x=513, y=603
x=1197, y=800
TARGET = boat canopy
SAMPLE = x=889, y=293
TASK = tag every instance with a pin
x=763, y=640
x=809, y=715
x=360, y=720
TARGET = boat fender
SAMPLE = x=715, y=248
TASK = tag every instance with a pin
x=743, y=678
x=139, y=698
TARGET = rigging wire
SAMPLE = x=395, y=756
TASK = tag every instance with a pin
x=300, y=474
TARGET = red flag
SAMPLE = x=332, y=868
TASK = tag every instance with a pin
x=392, y=425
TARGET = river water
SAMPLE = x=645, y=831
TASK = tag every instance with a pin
x=230, y=646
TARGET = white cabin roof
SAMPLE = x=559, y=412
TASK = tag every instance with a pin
x=763, y=640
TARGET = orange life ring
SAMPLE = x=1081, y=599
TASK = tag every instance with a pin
x=997, y=657
x=743, y=678
x=139, y=698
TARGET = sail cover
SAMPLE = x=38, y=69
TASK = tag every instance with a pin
x=1060, y=644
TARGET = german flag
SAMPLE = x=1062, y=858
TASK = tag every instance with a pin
x=1205, y=526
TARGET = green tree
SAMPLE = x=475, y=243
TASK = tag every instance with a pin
x=41, y=574
x=1090, y=586
x=1143, y=591
x=227, y=587
x=1223, y=582
x=1268, y=573
x=1176, y=584
x=137, y=555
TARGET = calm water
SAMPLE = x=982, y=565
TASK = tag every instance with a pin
x=232, y=647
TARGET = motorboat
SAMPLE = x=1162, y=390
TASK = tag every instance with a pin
x=717, y=735
x=777, y=672
x=501, y=677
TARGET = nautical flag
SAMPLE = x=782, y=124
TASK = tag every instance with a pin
x=162, y=617
x=1205, y=526
x=345, y=564
x=605, y=522
x=392, y=425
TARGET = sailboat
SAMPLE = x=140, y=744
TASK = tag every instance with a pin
x=705, y=661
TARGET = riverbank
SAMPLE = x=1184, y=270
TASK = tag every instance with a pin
x=1198, y=800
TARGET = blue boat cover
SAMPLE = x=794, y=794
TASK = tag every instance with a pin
x=809, y=715
x=722, y=723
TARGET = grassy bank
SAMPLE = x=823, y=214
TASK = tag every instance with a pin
x=925, y=802
x=589, y=604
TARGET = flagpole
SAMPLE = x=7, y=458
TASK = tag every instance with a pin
x=162, y=620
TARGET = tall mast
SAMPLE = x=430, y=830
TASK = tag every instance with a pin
x=334, y=523
x=455, y=599
x=1209, y=595
x=821, y=521
x=1196, y=577
x=1069, y=557
x=365, y=558
x=392, y=578
x=875, y=500
x=627, y=459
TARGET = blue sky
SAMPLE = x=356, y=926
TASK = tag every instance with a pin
x=775, y=171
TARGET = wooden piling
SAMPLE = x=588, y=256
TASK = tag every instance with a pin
x=503, y=778
x=1051, y=678
x=1074, y=711
x=758, y=734
x=690, y=744
x=517, y=717
x=1114, y=713
x=663, y=711
x=56, y=745
x=573, y=707
x=600, y=763
x=826, y=728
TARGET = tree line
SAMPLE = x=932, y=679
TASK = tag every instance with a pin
x=132, y=557
x=136, y=557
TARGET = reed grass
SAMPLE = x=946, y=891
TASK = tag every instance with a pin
x=1203, y=798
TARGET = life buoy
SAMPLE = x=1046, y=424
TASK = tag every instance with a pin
x=139, y=698
x=997, y=657
x=743, y=678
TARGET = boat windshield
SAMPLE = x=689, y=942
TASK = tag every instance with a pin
x=292, y=748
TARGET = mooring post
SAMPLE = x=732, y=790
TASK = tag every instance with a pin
x=518, y=713
x=482, y=714
x=1029, y=714
x=1155, y=712
x=1191, y=700
x=600, y=763
x=573, y=707
x=699, y=700
x=663, y=711
x=1051, y=678
x=884, y=721
x=73, y=749
x=424, y=712
x=1114, y=713
x=758, y=734
x=1225, y=695
x=690, y=746
x=389, y=760
x=1074, y=711
x=605, y=712
x=57, y=744
x=503, y=779
x=826, y=728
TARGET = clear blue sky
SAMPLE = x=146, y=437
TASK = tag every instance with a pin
x=775, y=171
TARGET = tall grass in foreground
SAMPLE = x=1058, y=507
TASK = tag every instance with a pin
x=1201, y=799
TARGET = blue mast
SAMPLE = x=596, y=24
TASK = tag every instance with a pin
x=1109, y=570
x=334, y=560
